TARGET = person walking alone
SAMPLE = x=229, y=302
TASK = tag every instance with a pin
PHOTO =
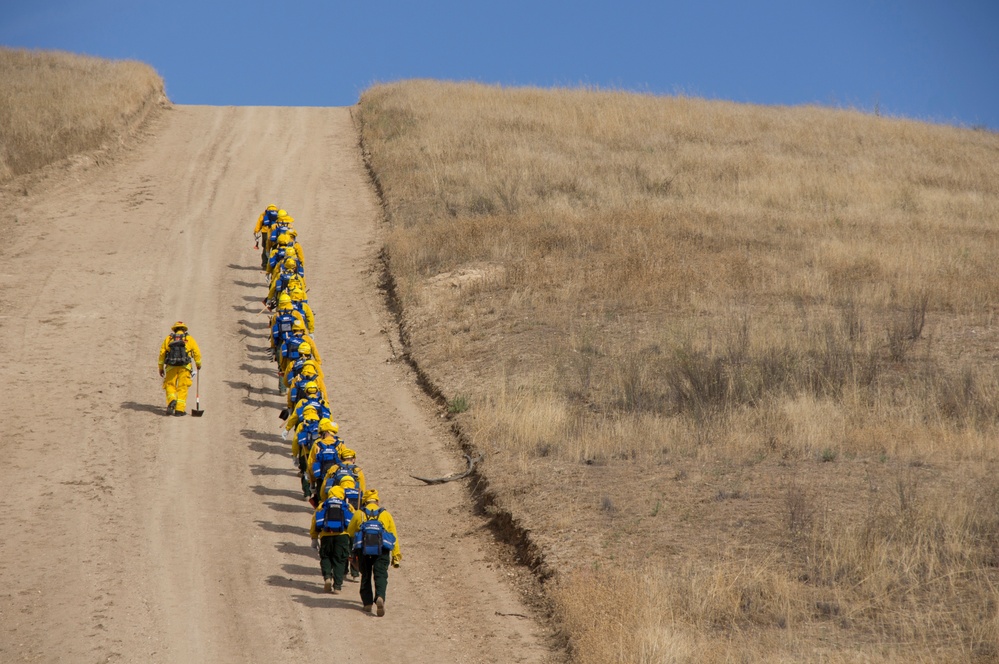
x=177, y=353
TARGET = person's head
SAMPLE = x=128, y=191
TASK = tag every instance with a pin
x=179, y=326
x=298, y=327
x=370, y=498
x=305, y=349
x=282, y=213
x=283, y=239
x=284, y=301
x=311, y=389
x=336, y=492
x=309, y=373
x=326, y=425
x=310, y=413
x=290, y=263
x=347, y=482
x=271, y=213
x=348, y=455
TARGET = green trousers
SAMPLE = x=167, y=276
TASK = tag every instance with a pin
x=376, y=566
x=306, y=487
x=334, y=550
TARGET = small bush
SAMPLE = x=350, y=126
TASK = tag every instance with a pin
x=458, y=404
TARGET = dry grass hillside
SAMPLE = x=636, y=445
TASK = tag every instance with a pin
x=734, y=366
x=54, y=105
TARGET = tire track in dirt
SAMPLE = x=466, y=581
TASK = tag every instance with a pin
x=128, y=536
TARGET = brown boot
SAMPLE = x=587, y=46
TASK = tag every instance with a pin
x=380, y=603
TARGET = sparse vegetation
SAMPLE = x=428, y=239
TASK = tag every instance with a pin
x=54, y=105
x=682, y=301
x=458, y=404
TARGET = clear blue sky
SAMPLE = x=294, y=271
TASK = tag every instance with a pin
x=933, y=60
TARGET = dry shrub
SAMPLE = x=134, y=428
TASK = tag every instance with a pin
x=919, y=567
x=679, y=279
x=914, y=578
x=53, y=105
x=729, y=613
x=699, y=257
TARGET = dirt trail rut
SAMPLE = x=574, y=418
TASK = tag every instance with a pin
x=129, y=536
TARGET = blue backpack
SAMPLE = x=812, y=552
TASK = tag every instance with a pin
x=372, y=539
x=333, y=516
x=353, y=496
x=326, y=457
x=282, y=325
x=308, y=435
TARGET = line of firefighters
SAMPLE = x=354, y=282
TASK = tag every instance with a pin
x=353, y=534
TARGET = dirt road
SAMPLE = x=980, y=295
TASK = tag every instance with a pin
x=128, y=536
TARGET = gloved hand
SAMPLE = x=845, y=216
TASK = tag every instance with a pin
x=315, y=543
x=162, y=372
x=194, y=373
x=284, y=435
x=396, y=561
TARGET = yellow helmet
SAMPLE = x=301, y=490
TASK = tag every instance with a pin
x=284, y=298
x=347, y=453
x=311, y=388
x=282, y=213
x=298, y=325
x=370, y=496
x=336, y=492
x=283, y=238
x=309, y=371
x=305, y=348
x=347, y=482
x=326, y=425
x=290, y=263
x=179, y=325
x=272, y=207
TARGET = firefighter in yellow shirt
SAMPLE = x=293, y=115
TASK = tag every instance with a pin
x=377, y=546
x=330, y=539
x=262, y=232
x=177, y=353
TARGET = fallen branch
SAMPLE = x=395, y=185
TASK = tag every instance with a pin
x=456, y=476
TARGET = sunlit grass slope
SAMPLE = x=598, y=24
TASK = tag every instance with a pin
x=53, y=105
x=734, y=366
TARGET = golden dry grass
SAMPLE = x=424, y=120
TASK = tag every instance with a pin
x=660, y=309
x=54, y=104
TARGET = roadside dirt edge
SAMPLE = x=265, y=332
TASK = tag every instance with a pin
x=508, y=531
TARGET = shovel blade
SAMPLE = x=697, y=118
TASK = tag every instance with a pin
x=283, y=414
x=197, y=412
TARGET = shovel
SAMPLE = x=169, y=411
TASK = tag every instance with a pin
x=197, y=412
